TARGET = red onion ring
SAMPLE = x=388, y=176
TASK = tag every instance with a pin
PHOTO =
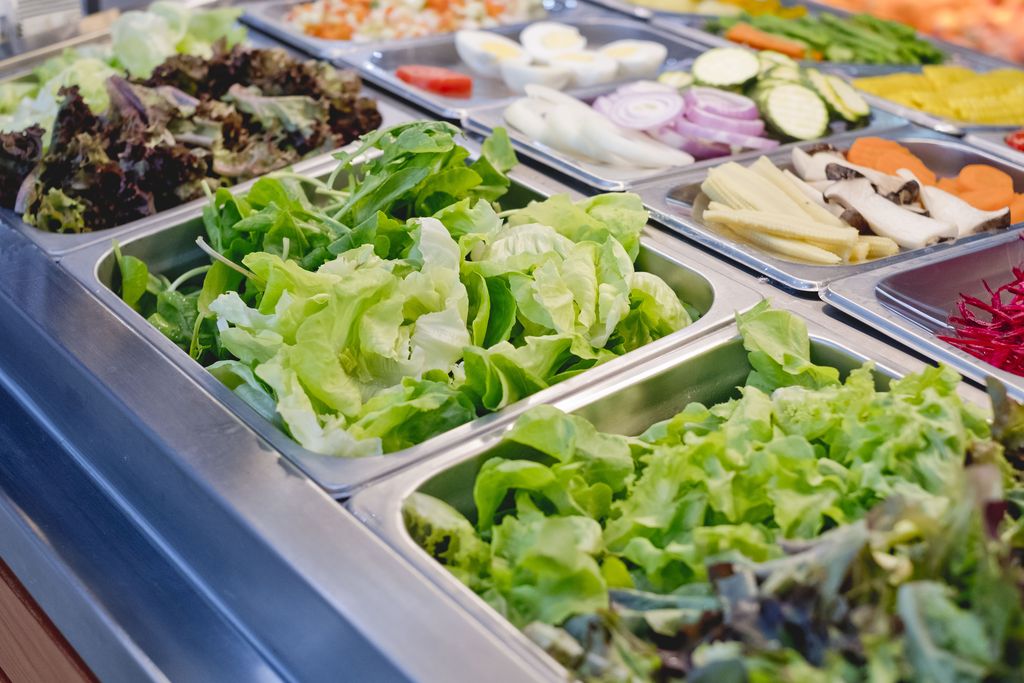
x=727, y=104
x=692, y=130
x=705, y=118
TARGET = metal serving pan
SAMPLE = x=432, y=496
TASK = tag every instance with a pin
x=603, y=177
x=649, y=13
x=671, y=204
x=58, y=244
x=707, y=371
x=377, y=64
x=994, y=141
x=911, y=305
x=269, y=18
x=168, y=245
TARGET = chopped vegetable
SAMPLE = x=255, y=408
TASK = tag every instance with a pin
x=139, y=42
x=991, y=330
x=193, y=123
x=367, y=319
x=436, y=79
x=808, y=529
x=1016, y=140
x=368, y=20
x=860, y=39
x=994, y=97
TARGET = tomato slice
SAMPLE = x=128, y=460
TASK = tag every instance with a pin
x=436, y=79
x=1016, y=140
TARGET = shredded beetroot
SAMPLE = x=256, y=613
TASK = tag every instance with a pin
x=993, y=331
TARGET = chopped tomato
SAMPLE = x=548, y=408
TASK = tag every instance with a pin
x=1016, y=140
x=436, y=79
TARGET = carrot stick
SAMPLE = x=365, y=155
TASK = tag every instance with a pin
x=748, y=35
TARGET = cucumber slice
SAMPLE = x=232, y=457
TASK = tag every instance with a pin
x=726, y=67
x=784, y=72
x=676, y=79
x=821, y=84
x=796, y=112
x=770, y=58
x=850, y=98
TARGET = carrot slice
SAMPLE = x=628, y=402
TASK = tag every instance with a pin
x=950, y=185
x=890, y=162
x=746, y=34
x=984, y=177
x=865, y=151
x=1017, y=209
x=988, y=199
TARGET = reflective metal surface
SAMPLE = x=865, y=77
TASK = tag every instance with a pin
x=671, y=204
x=171, y=542
x=708, y=371
x=911, y=304
x=994, y=141
x=169, y=247
x=377, y=64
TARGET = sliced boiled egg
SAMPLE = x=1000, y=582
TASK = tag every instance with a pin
x=519, y=73
x=483, y=51
x=636, y=58
x=588, y=68
x=546, y=40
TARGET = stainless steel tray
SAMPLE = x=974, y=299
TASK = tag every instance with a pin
x=911, y=304
x=269, y=18
x=603, y=177
x=708, y=370
x=377, y=63
x=670, y=205
x=58, y=244
x=994, y=141
x=169, y=244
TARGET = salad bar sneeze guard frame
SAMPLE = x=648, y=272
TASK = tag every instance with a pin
x=802, y=276
x=866, y=298
x=269, y=18
x=682, y=266
x=709, y=369
x=376, y=63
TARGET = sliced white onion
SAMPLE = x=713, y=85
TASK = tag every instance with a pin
x=644, y=110
x=722, y=103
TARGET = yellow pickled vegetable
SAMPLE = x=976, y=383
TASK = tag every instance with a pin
x=725, y=7
x=955, y=92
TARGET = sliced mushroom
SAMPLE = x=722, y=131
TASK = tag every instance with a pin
x=854, y=219
x=968, y=220
x=812, y=167
x=893, y=188
x=906, y=228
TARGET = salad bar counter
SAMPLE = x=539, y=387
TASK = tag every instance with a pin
x=582, y=341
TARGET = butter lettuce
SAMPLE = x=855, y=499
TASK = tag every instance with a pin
x=408, y=304
x=816, y=527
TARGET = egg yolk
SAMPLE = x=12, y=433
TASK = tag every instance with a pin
x=558, y=39
x=620, y=51
x=499, y=49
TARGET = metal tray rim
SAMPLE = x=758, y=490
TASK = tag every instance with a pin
x=800, y=276
x=729, y=296
x=855, y=296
